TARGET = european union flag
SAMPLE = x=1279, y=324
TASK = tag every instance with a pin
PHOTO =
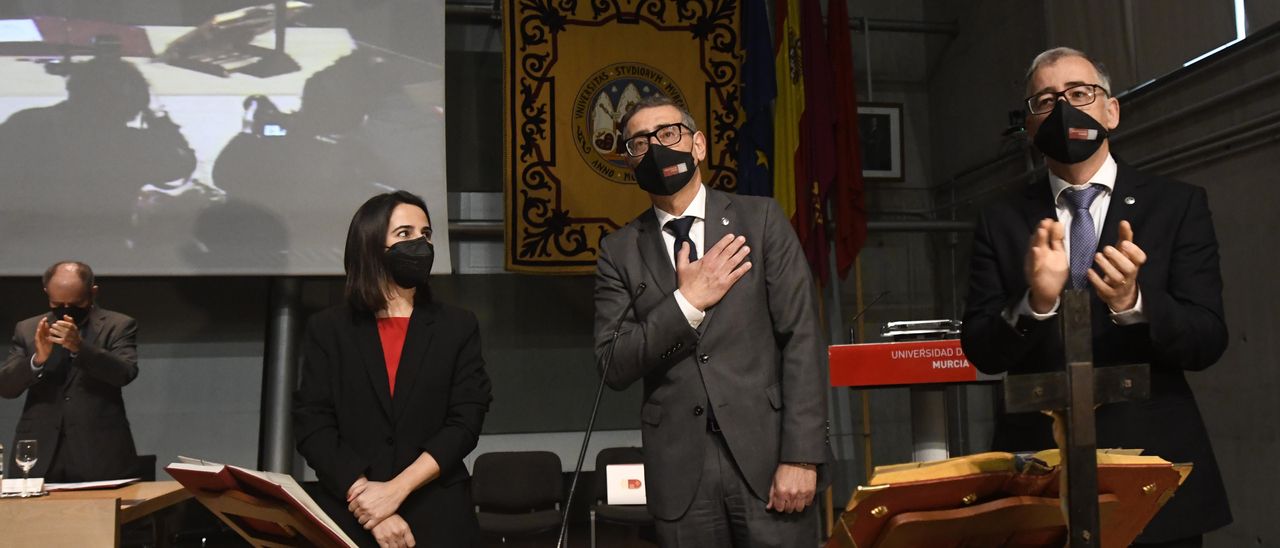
x=755, y=137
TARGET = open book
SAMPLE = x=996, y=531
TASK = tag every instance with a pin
x=196, y=474
x=1001, y=499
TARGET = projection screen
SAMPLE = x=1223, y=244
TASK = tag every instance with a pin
x=178, y=137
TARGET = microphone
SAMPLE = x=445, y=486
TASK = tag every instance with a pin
x=605, y=360
x=854, y=319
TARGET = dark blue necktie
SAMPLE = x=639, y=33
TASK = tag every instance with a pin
x=1084, y=238
x=680, y=227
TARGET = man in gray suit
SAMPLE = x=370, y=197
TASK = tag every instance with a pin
x=724, y=334
x=72, y=362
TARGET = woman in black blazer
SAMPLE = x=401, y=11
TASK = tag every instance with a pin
x=386, y=437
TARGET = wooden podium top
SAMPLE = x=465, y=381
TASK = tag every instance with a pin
x=84, y=518
x=137, y=500
x=999, y=499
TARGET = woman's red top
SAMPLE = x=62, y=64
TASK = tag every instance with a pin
x=392, y=332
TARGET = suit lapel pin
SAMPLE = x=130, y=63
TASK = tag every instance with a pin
x=1129, y=200
x=724, y=221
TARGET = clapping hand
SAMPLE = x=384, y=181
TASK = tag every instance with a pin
x=1118, y=284
x=64, y=332
x=44, y=345
x=1047, y=265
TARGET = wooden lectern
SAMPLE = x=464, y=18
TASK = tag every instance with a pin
x=268, y=510
x=265, y=522
x=1001, y=500
x=1074, y=496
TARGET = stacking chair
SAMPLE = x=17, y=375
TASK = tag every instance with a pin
x=633, y=516
x=517, y=493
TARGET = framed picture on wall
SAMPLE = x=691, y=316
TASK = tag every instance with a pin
x=880, y=133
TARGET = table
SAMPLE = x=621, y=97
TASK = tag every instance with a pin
x=84, y=518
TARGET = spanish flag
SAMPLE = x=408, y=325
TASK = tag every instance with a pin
x=804, y=126
x=789, y=105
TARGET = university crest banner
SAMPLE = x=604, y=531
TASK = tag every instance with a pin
x=571, y=69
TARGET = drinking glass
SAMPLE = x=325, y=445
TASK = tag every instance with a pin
x=25, y=456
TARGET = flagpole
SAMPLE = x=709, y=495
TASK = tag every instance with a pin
x=835, y=316
x=835, y=330
x=866, y=44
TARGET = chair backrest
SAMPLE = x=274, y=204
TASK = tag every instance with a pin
x=516, y=481
x=613, y=455
x=146, y=467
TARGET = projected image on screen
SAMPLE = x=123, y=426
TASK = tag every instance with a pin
x=189, y=137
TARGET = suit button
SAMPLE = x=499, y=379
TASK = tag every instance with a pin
x=391, y=440
x=68, y=398
x=697, y=410
x=704, y=358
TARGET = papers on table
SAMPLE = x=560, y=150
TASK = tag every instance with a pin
x=84, y=485
x=13, y=486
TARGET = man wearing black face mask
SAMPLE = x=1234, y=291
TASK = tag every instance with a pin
x=1144, y=247
x=72, y=363
x=724, y=336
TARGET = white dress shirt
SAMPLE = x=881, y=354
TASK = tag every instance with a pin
x=698, y=210
x=1105, y=177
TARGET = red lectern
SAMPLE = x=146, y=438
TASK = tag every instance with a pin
x=902, y=363
x=928, y=367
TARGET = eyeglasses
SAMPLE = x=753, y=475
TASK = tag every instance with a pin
x=1077, y=96
x=668, y=135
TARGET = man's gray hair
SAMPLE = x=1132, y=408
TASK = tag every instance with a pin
x=1051, y=56
x=656, y=100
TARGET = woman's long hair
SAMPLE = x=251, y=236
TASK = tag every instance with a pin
x=367, y=274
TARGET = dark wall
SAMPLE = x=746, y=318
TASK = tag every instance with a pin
x=1215, y=125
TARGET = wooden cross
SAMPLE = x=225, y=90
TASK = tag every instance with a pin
x=1074, y=393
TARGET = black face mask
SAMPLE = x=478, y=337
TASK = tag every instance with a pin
x=78, y=314
x=664, y=171
x=1069, y=135
x=410, y=262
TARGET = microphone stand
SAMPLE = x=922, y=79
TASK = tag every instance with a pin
x=605, y=360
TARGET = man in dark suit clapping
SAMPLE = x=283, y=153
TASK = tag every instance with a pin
x=1144, y=247
x=724, y=335
x=72, y=362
